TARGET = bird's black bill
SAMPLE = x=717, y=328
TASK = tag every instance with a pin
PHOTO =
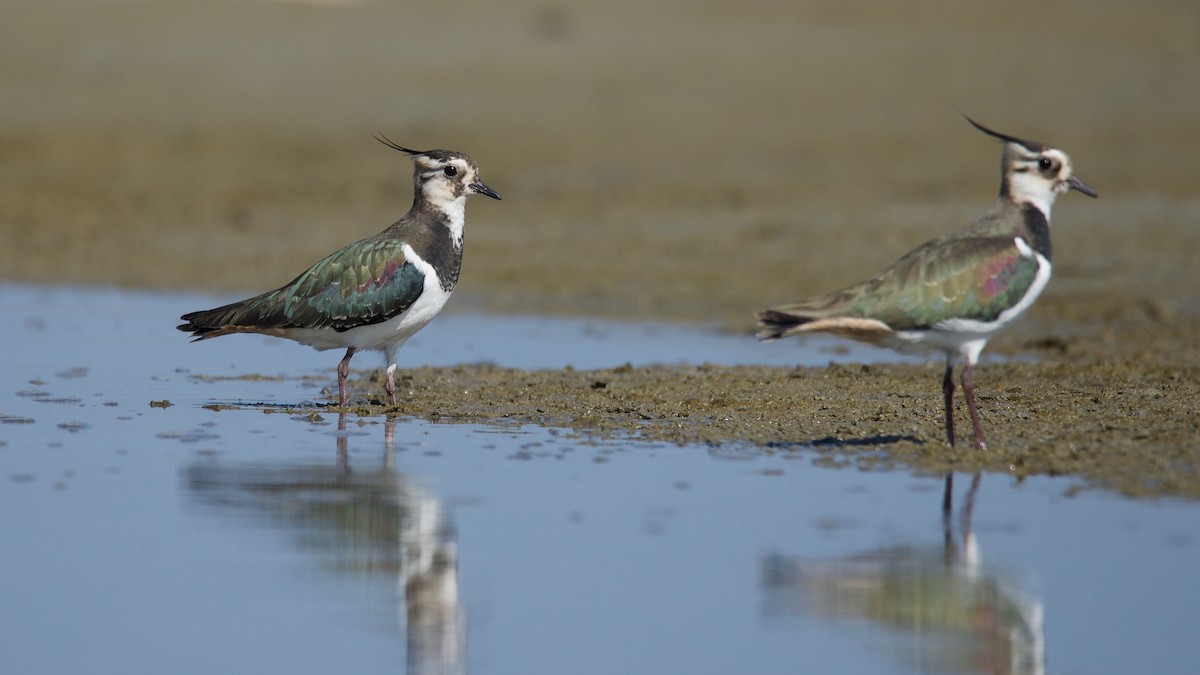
x=482, y=189
x=1077, y=184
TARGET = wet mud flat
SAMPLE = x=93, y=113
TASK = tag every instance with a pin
x=636, y=187
x=1118, y=425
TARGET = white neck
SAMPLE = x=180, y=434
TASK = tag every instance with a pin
x=456, y=217
x=1032, y=189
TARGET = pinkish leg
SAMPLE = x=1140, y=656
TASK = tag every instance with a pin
x=389, y=385
x=948, y=392
x=343, y=371
x=969, y=392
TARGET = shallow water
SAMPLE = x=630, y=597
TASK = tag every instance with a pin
x=183, y=539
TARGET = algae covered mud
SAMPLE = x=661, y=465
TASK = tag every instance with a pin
x=1124, y=426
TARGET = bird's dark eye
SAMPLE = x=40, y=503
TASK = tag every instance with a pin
x=1044, y=164
x=450, y=171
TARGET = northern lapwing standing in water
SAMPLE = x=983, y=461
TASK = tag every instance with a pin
x=953, y=293
x=375, y=293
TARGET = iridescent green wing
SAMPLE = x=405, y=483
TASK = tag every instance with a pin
x=975, y=278
x=367, y=282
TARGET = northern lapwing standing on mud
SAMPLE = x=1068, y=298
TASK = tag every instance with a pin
x=375, y=293
x=953, y=293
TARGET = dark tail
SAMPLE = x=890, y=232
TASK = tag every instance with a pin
x=774, y=324
x=198, y=324
x=210, y=323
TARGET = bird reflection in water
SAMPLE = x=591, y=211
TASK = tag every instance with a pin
x=361, y=521
x=959, y=615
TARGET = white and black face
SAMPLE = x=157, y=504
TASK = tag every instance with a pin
x=444, y=176
x=1039, y=174
x=1033, y=172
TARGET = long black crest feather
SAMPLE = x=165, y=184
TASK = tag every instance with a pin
x=388, y=142
x=1032, y=146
